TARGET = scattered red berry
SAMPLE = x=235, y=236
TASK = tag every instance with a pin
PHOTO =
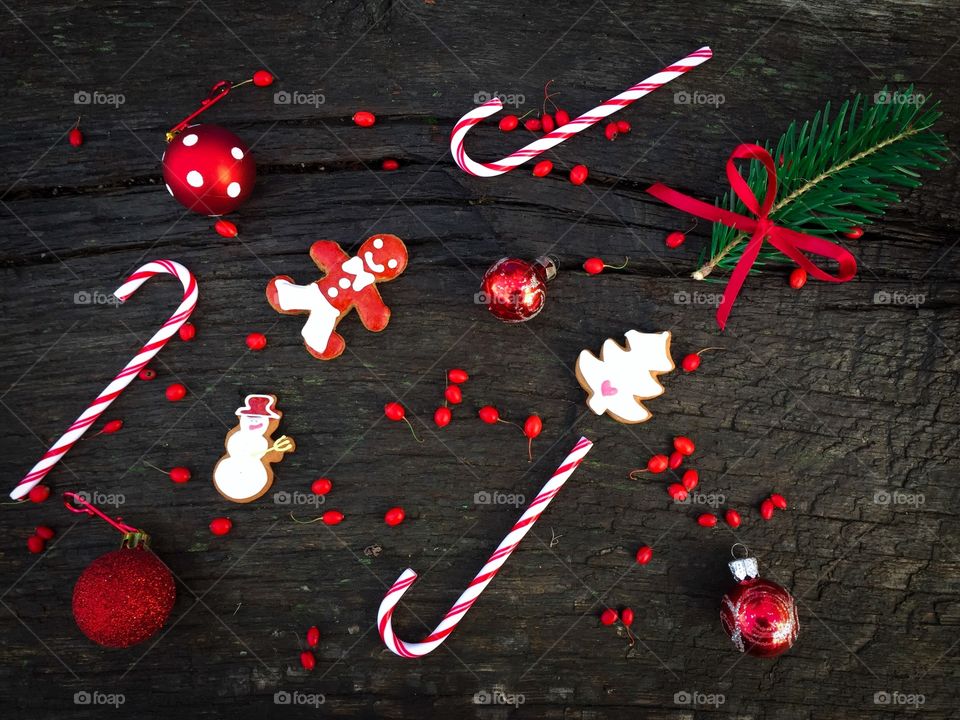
x=394, y=411
x=854, y=234
x=683, y=445
x=35, y=544
x=262, y=78
x=442, y=416
x=225, y=228
x=690, y=479
x=623, y=127
x=390, y=164
x=453, y=394
x=626, y=617
x=321, y=486
x=509, y=123
x=38, y=493
x=766, y=509
x=533, y=124
x=221, y=526
x=798, y=278
x=562, y=117
x=332, y=517
x=547, y=123
x=532, y=427
x=610, y=131
x=644, y=554
x=75, y=137
x=44, y=532
x=578, y=174
x=733, y=518
x=692, y=361
x=394, y=516
x=307, y=660
x=779, y=501
x=458, y=376
x=675, y=239
x=658, y=463
x=676, y=460
x=175, y=392
x=542, y=168
x=593, y=266
x=707, y=520
x=313, y=636
x=180, y=475
x=110, y=427
x=147, y=374
x=364, y=118
x=609, y=616
x=489, y=414
x=187, y=332
x=256, y=341
x=677, y=492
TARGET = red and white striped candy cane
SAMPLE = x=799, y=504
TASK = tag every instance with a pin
x=126, y=376
x=486, y=574
x=591, y=117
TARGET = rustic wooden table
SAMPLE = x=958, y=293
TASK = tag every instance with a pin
x=848, y=407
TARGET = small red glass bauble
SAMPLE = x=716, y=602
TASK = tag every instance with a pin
x=209, y=170
x=760, y=616
x=123, y=597
x=515, y=290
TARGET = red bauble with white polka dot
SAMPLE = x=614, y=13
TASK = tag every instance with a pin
x=209, y=170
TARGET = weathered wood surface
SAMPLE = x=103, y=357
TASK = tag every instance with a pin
x=822, y=394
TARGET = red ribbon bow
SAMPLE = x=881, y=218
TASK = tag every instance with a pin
x=789, y=242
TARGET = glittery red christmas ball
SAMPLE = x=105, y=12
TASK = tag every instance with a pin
x=123, y=597
x=515, y=290
x=760, y=617
x=209, y=170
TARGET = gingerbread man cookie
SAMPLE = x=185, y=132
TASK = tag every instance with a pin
x=620, y=378
x=246, y=471
x=349, y=283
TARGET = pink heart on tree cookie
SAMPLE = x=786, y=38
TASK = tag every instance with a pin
x=607, y=389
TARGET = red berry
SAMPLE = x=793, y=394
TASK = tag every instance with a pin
x=690, y=479
x=609, y=616
x=75, y=137
x=509, y=123
x=766, y=509
x=593, y=266
x=453, y=394
x=677, y=492
x=458, y=376
x=676, y=460
x=542, y=168
x=332, y=517
x=442, y=416
x=262, y=78
x=733, y=518
x=578, y=174
x=798, y=278
x=644, y=554
x=546, y=122
x=683, y=445
x=707, y=520
x=623, y=127
x=364, y=118
x=394, y=516
x=35, y=544
x=180, y=474
x=533, y=124
x=187, y=332
x=562, y=117
x=307, y=660
x=854, y=234
x=675, y=239
x=626, y=617
x=176, y=391
x=111, y=427
x=779, y=501
x=658, y=463
x=321, y=486
x=394, y=411
x=147, y=374
x=690, y=362
x=532, y=426
x=610, y=131
x=256, y=341
x=220, y=526
x=38, y=493
x=313, y=636
x=489, y=414
x=44, y=532
x=225, y=228
x=389, y=164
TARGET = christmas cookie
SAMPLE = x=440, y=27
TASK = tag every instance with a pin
x=349, y=283
x=246, y=471
x=620, y=378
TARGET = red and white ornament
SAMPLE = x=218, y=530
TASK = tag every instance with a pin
x=760, y=616
x=515, y=290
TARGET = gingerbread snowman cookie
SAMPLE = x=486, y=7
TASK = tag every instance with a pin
x=618, y=380
x=246, y=471
x=349, y=283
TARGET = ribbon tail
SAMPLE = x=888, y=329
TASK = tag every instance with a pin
x=738, y=277
x=793, y=244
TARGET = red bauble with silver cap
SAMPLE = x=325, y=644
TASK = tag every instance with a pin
x=208, y=169
x=515, y=290
x=760, y=616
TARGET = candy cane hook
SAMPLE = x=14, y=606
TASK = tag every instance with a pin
x=486, y=574
x=591, y=117
x=126, y=376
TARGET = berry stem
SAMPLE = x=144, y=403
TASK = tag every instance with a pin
x=413, y=432
x=638, y=471
x=709, y=348
x=151, y=465
x=619, y=267
x=305, y=522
